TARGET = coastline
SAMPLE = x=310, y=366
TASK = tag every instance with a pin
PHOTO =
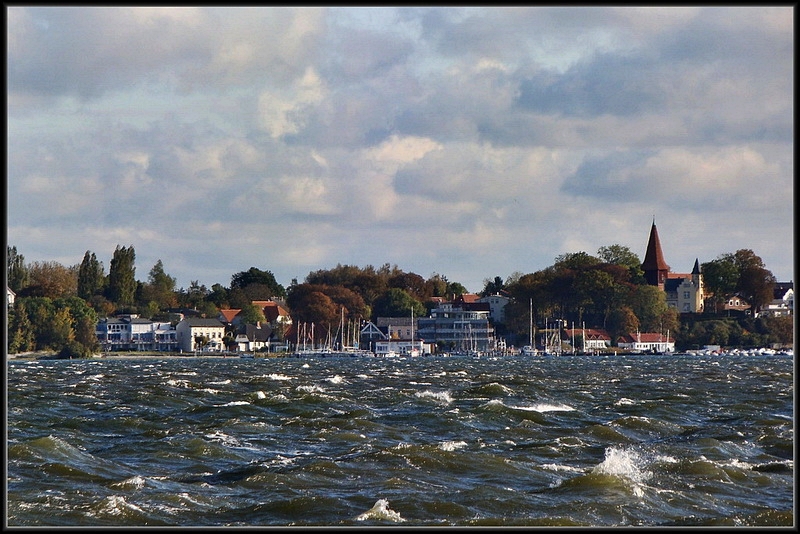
x=49, y=355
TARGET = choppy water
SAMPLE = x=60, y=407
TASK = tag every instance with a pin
x=570, y=441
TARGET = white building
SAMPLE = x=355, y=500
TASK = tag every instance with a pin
x=189, y=330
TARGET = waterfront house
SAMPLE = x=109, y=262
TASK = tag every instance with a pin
x=462, y=324
x=189, y=330
x=587, y=339
x=129, y=332
x=646, y=342
x=253, y=337
x=497, y=306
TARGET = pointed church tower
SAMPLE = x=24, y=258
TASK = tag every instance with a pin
x=654, y=267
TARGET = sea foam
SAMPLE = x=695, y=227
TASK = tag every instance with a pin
x=381, y=511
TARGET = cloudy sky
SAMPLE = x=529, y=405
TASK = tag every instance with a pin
x=469, y=142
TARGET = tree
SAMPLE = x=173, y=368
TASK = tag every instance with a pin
x=122, y=276
x=756, y=283
x=256, y=276
x=622, y=321
x=160, y=288
x=720, y=277
x=622, y=255
x=91, y=276
x=398, y=303
x=252, y=314
x=492, y=287
x=20, y=330
x=51, y=279
x=16, y=271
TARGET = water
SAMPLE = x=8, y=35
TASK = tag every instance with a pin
x=433, y=441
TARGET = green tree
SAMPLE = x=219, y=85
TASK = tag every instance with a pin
x=622, y=255
x=16, y=271
x=160, y=288
x=492, y=287
x=20, y=330
x=756, y=283
x=253, y=275
x=91, y=276
x=122, y=276
x=720, y=277
x=398, y=303
x=61, y=330
x=252, y=314
x=650, y=306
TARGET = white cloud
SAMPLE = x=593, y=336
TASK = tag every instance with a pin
x=471, y=142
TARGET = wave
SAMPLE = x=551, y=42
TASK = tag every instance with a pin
x=440, y=396
x=381, y=511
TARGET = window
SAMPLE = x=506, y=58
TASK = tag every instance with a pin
x=686, y=295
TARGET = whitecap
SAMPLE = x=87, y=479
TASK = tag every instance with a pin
x=441, y=396
x=235, y=403
x=546, y=407
x=276, y=376
x=134, y=482
x=336, y=379
x=261, y=395
x=310, y=389
x=452, y=445
x=624, y=464
x=381, y=510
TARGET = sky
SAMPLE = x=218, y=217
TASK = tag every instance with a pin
x=470, y=142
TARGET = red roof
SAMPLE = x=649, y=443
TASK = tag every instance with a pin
x=590, y=333
x=646, y=337
x=654, y=258
x=229, y=314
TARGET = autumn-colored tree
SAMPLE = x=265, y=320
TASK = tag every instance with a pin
x=51, y=279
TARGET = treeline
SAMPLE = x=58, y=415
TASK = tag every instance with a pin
x=58, y=306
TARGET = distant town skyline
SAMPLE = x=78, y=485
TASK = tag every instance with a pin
x=469, y=142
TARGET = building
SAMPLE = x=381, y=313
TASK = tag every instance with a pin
x=192, y=329
x=253, y=337
x=461, y=325
x=684, y=292
x=782, y=303
x=587, y=339
x=497, y=306
x=10, y=296
x=646, y=342
x=129, y=332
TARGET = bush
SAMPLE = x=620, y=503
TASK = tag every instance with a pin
x=72, y=350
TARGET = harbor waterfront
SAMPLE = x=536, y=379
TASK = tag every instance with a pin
x=625, y=440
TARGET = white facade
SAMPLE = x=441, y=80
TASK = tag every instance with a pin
x=497, y=306
x=131, y=333
x=190, y=329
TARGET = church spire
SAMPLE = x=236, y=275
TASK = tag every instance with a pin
x=654, y=267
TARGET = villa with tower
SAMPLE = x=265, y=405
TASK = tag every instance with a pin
x=684, y=290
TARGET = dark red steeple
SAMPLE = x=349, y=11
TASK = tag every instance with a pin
x=654, y=267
